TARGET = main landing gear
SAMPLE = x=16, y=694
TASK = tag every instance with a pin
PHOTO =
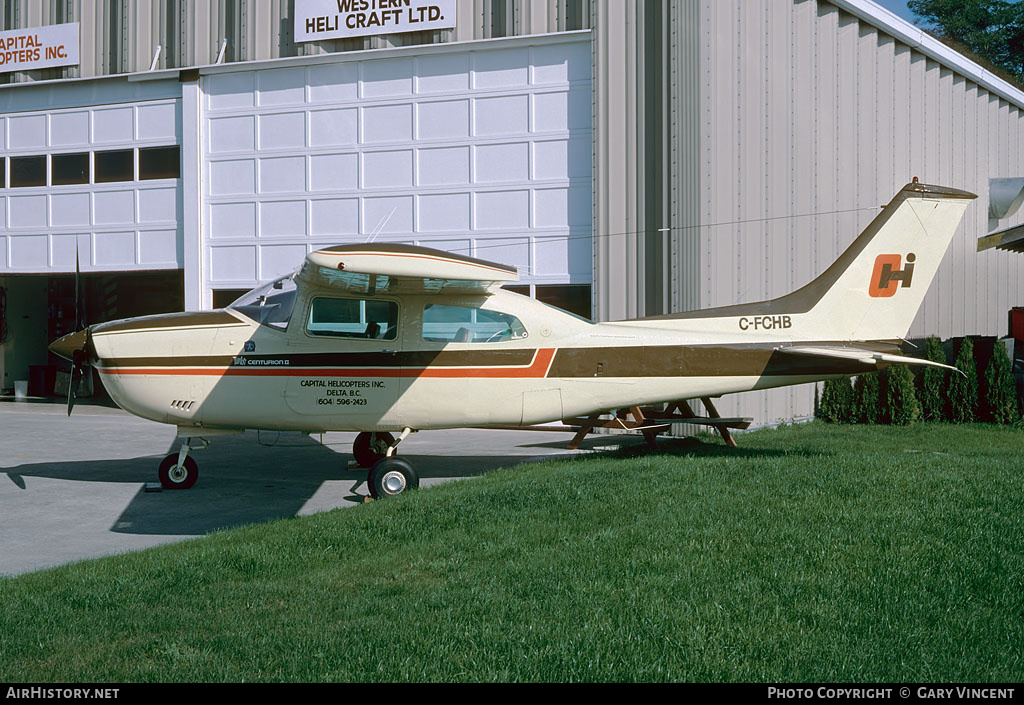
x=371, y=447
x=178, y=471
x=388, y=476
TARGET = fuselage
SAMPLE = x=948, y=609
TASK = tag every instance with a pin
x=428, y=361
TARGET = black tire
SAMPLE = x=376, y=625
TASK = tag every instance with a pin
x=178, y=480
x=391, y=477
x=369, y=447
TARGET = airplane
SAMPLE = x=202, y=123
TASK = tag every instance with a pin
x=392, y=338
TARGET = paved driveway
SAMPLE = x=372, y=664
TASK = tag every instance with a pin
x=74, y=488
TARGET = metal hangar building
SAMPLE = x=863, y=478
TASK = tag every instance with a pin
x=631, y=158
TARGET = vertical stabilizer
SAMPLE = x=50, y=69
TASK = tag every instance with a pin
x=873, y=290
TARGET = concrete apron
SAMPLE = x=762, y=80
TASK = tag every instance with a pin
x=74, y=488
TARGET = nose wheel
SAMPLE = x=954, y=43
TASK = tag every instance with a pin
x=178, y=476
x=178, y=471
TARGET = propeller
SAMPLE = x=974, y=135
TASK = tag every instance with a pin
x=77, y=346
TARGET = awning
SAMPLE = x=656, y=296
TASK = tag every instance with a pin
x=1011, y=239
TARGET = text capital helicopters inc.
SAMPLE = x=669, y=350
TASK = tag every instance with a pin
x=386, y=339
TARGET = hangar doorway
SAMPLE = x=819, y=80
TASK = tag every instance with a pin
x=37, y=309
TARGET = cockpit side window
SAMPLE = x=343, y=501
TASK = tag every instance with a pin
x=465, y=324
x=270, y=304
x=353, y=318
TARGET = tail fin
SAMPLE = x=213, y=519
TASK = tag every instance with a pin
x=874, y=289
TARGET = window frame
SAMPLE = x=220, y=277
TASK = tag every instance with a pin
x=58, y=156
x=327, y=336
x=25, y=159
x=95, y=167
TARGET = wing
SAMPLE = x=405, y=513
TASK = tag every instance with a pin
x=404, y=269
x=863, y=355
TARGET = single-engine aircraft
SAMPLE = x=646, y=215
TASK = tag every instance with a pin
x=383, y=338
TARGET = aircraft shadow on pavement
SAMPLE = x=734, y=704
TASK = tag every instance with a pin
x=244, y=482
x=629, y=446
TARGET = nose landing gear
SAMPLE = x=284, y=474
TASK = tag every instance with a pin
x=178, y=471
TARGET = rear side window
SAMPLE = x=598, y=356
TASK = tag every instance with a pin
x=465, y=324
x=369, y=319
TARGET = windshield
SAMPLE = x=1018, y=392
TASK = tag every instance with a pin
x=269, y=304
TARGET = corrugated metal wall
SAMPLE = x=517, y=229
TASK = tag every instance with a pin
x=741, y=146
x=122, y=36
x=813, y=124
x=648, y=163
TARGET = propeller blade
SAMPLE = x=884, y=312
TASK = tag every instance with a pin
x=78, y=272
x=79, y=356
x=76, y=378
x=77, y=348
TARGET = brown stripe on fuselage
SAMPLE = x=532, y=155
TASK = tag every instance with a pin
x=186, y=319
x=630, y=361
x=704, y=361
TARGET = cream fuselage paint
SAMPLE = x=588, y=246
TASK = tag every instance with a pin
x=203, y=376
x=223, y=370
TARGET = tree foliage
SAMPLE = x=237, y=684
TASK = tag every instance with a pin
x=931, y=381
x=902, y=407
x=866, y=393
x=962, y=390
x=837, y=402
x=998, y=388
x=991, y=29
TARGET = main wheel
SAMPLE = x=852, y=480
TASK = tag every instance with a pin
x=371, y=447
x=178, y=477
x=390, y=477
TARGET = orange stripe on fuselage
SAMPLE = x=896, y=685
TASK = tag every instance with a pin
x=538, y=368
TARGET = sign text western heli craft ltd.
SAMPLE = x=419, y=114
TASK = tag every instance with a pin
x=337, y=19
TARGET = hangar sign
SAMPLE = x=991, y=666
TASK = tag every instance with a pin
x=337, y=19
x=39, y=47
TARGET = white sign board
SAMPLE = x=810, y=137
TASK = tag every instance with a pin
x=39, y=47
x=337, y=19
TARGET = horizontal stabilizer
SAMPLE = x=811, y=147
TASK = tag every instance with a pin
x=865, y=356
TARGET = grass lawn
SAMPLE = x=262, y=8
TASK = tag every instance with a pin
x=811, y=553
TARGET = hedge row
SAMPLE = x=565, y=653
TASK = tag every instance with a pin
x=898, y=396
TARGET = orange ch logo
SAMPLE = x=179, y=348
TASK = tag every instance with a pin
x=887, y=272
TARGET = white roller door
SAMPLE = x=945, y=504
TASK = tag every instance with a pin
x=482, y=148
x=71, y=182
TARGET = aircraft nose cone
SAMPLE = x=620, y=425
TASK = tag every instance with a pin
x=67, y=345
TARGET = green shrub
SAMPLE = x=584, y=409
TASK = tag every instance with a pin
x=868, y=403
x=999, y=392
x=931, y=382
x=837, y=402
x=962, y=389
x=901, y=405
